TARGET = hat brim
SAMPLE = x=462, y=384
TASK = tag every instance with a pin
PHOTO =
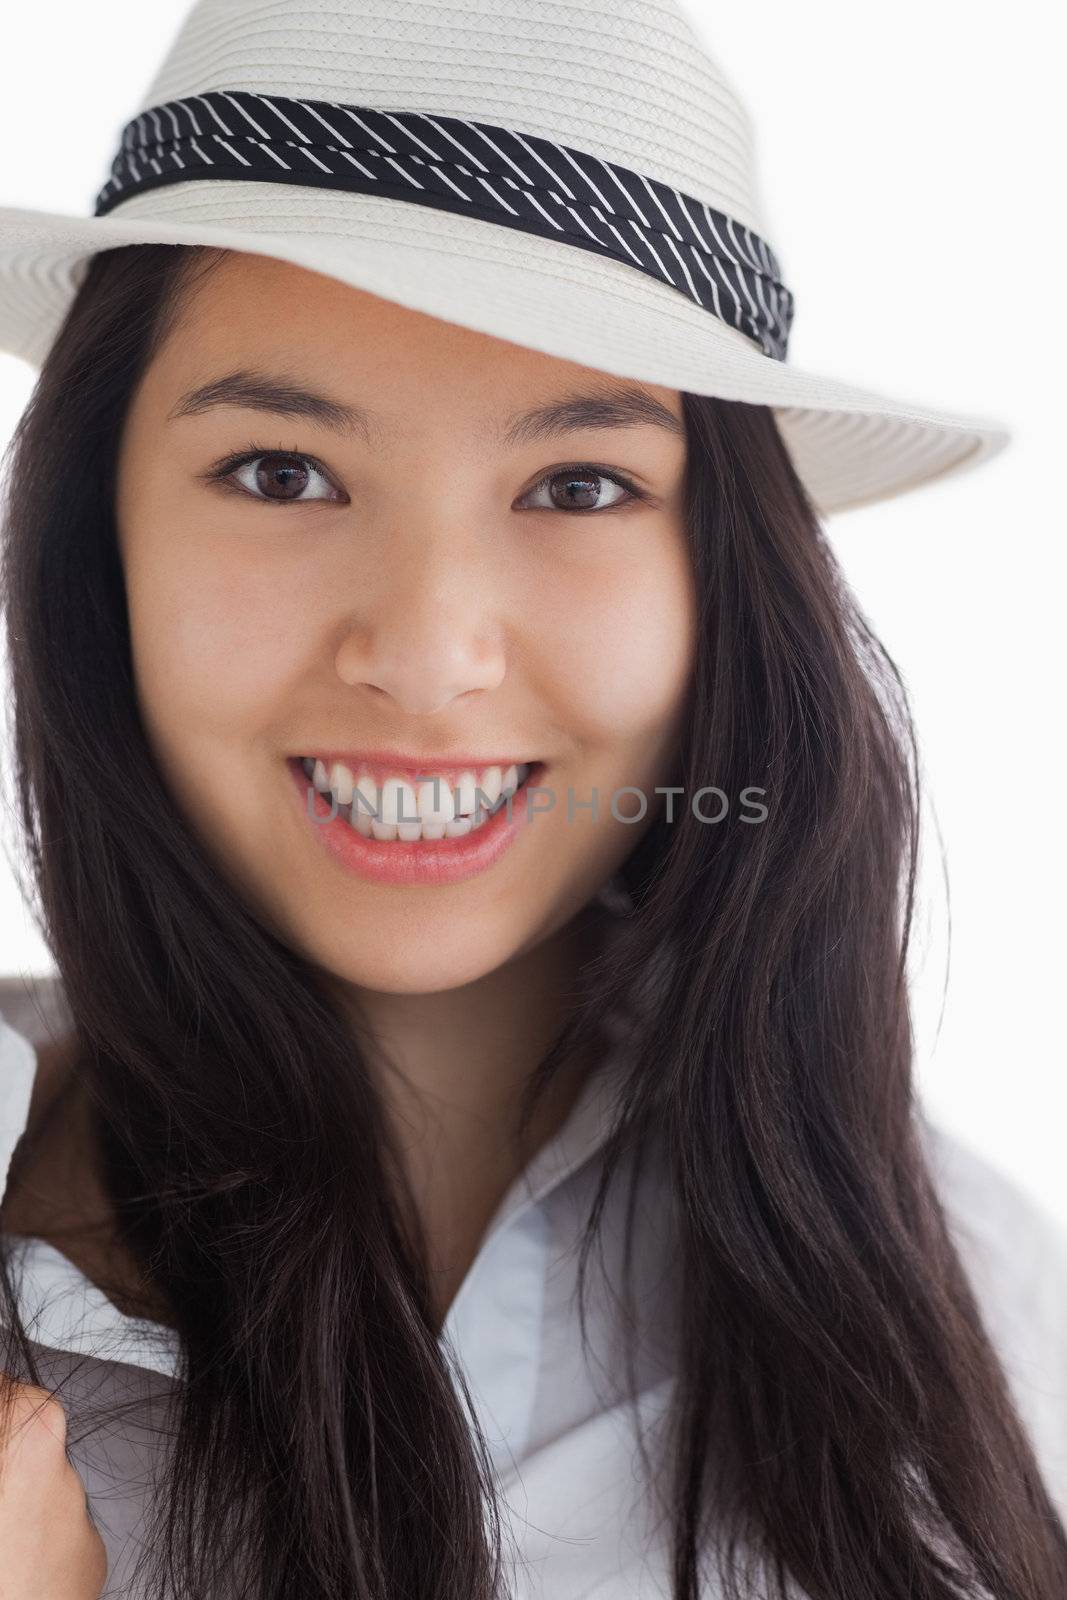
x=851, y=446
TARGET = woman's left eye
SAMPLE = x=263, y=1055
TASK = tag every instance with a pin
x=580, y=486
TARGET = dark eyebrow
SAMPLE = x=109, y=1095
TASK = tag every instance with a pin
x=617, y=405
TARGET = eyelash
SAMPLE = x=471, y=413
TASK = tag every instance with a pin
x=222, y=473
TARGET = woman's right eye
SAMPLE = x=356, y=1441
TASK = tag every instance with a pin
x=279, y=476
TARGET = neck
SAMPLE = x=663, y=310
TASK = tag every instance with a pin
x=452, y=1069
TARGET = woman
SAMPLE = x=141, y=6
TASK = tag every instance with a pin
x=406, y=1200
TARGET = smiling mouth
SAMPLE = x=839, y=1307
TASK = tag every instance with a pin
x=394, y=811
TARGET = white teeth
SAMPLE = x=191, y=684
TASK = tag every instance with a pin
x=363, y=815
x=398, y=800
x=435, y=815
x=465, y=798
x=341, y=781
x=492, y=783
x=430, y=830
x=445, y=808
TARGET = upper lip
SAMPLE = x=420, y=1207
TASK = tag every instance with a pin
x=405, y=765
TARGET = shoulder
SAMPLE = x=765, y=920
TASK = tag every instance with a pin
x=33, y=1003
x=18, y=1066
x=1014, y=1251
x=1003, y=1230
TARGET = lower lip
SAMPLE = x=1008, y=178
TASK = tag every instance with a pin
x=424, y=861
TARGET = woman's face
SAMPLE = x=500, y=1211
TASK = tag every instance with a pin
x=409, y=584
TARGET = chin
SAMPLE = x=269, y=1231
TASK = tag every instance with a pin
x=428, y=961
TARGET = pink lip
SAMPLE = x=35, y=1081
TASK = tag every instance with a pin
x=419, y=861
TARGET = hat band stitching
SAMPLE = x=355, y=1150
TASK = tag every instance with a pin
x=548, y=217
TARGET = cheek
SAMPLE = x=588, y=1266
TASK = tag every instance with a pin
x=622, y=648
x=208, y=632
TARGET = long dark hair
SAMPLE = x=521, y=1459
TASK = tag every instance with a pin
x=840, y=1417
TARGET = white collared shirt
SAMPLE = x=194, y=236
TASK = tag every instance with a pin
x=561, y=1435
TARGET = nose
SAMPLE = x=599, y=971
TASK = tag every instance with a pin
x=428, y=626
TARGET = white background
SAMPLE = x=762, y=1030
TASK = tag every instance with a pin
x=910, y=159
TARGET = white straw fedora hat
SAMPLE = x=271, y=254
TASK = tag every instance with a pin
x=575, y=176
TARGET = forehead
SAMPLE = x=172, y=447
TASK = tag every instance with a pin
x=255, y=331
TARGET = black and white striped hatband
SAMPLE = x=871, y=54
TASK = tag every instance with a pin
x=473, y=168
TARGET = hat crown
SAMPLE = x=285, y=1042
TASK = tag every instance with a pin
x=629, y=81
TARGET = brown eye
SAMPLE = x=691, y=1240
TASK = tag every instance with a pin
x=282, y=476
x=581, y=489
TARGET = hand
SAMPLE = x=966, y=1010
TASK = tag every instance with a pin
x=49, y=1549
